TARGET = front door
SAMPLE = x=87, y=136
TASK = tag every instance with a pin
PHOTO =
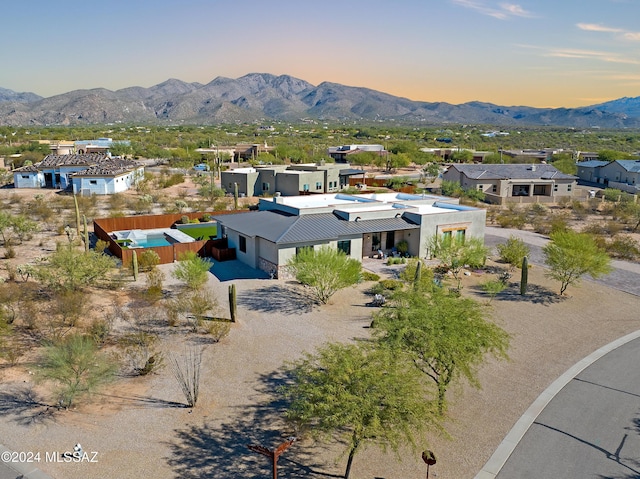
x=391, y=241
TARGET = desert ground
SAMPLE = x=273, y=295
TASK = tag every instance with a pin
x=140, y=427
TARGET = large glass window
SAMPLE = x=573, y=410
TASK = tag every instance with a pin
x=345, y=247
x=242, y=244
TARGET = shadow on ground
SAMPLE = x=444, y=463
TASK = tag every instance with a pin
x=234, y=269
x=221, y=450
x=26, y=406
x=535, y=294
x=277, y=298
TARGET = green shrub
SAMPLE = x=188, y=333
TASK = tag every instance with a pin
x=623, y=247
x=369, y=276
x=513, y=251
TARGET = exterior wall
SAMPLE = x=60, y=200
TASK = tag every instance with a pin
x=28, y=179
x=291, y=184
x=249, y=257
x=472, y=220
x=590, y=174
x=266, y=179
x=614, y=172
x=246, y=182
x=107, y=185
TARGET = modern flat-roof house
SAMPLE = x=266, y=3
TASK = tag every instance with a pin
x=620, y=174
x=359, y=225
x=287, y=180
x=85, y=174
x=537, y=183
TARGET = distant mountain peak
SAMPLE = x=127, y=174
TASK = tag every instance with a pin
x=258, y=96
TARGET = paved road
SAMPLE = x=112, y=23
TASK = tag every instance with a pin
x=590, y=429
x=587, y=423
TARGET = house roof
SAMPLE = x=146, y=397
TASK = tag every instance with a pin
x=630, y=165
x=26, y=169
x=114, y=167
x=592, y=163
x=89, y=159
x=284, y=229
x=512, y=171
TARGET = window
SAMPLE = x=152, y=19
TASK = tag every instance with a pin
x=26, y=177
x=265, y=186
x=242, y=244
x=305, y=187
x=480, y=187
x=555, y=187
x=460, y=236
x=569, y=187
x=93, y=182
x=494, y=188
x=375, y=242
x=345, y=247
x=318, y=185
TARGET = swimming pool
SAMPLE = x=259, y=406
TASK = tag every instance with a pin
x=154, y=240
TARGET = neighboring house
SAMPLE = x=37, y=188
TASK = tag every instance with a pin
x=340, y=153
x=359, y=225
x=514, y=182
x=287, y=180
x=98, y=174
x=621, y=174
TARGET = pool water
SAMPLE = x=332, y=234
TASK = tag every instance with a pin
x=153, y=241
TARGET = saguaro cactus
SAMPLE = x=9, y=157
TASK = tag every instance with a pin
x=75, y=201
x=418, y=276
x=86, y=233
x=232, y=302
x=524, y=276
x=134, y=263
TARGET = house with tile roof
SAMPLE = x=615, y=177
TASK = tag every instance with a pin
x=359, y=225
x=84, y=174
x=522, y=183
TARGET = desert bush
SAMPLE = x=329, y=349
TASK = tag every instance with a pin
x=140, y=354
x=217, y=330
x=513, y=251
x=155, y=279
x=595, y=229
x=147, y=260
x=613, y=227
x=623, y=247
x=101, y=246
x=192, y=269
x=512, y=219
x=100, y=329
x=369, y=276
x=186, y=371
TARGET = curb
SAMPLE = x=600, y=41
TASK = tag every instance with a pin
x=493, y=466
x=24, y=470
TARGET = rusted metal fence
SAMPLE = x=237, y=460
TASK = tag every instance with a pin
x=103, y=227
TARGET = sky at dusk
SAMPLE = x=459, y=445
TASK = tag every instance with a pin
x=544, y=53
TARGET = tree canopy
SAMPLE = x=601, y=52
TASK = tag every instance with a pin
x=572, y=255
x=445, y=336
x=325, y=270
x=359, y=395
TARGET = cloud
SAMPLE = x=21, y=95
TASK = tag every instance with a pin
x=503, y=11
x=594, y=27
x=608, y=57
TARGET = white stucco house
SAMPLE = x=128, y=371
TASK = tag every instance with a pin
x=359, y=225
x=84, y=174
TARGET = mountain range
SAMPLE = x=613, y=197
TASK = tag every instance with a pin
x=265, y=97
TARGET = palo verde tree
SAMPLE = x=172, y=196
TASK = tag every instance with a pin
x=76, y=366
x=69, y=269
x=456, y=253
x=358, y=395
x=446, y=337
x=570, y=255
x=325, y=270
